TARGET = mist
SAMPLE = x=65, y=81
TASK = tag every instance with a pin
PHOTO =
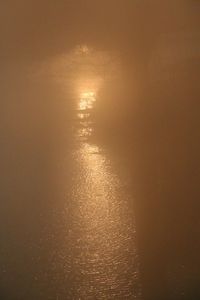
x=99, y=130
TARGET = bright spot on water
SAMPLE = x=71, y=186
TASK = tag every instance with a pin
x=104, y=251
x=87, y=100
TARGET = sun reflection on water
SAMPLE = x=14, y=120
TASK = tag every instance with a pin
x=87, y=100
x=105, y=249
x=106, y=231
x=102, y=224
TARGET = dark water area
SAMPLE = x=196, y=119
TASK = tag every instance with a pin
x=162, y=151
x=99, y=150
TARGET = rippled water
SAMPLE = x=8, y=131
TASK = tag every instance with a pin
x=69, y=230
x=104, y=250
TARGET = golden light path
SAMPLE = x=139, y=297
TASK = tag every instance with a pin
x=103, y=242
x=105, y=226
x=87, y=100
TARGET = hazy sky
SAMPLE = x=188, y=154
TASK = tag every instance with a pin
x=32, y=28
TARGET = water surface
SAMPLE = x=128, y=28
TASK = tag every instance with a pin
x=70, y=232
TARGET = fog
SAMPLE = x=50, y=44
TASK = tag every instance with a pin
x=35, y=28
x=99, y=148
